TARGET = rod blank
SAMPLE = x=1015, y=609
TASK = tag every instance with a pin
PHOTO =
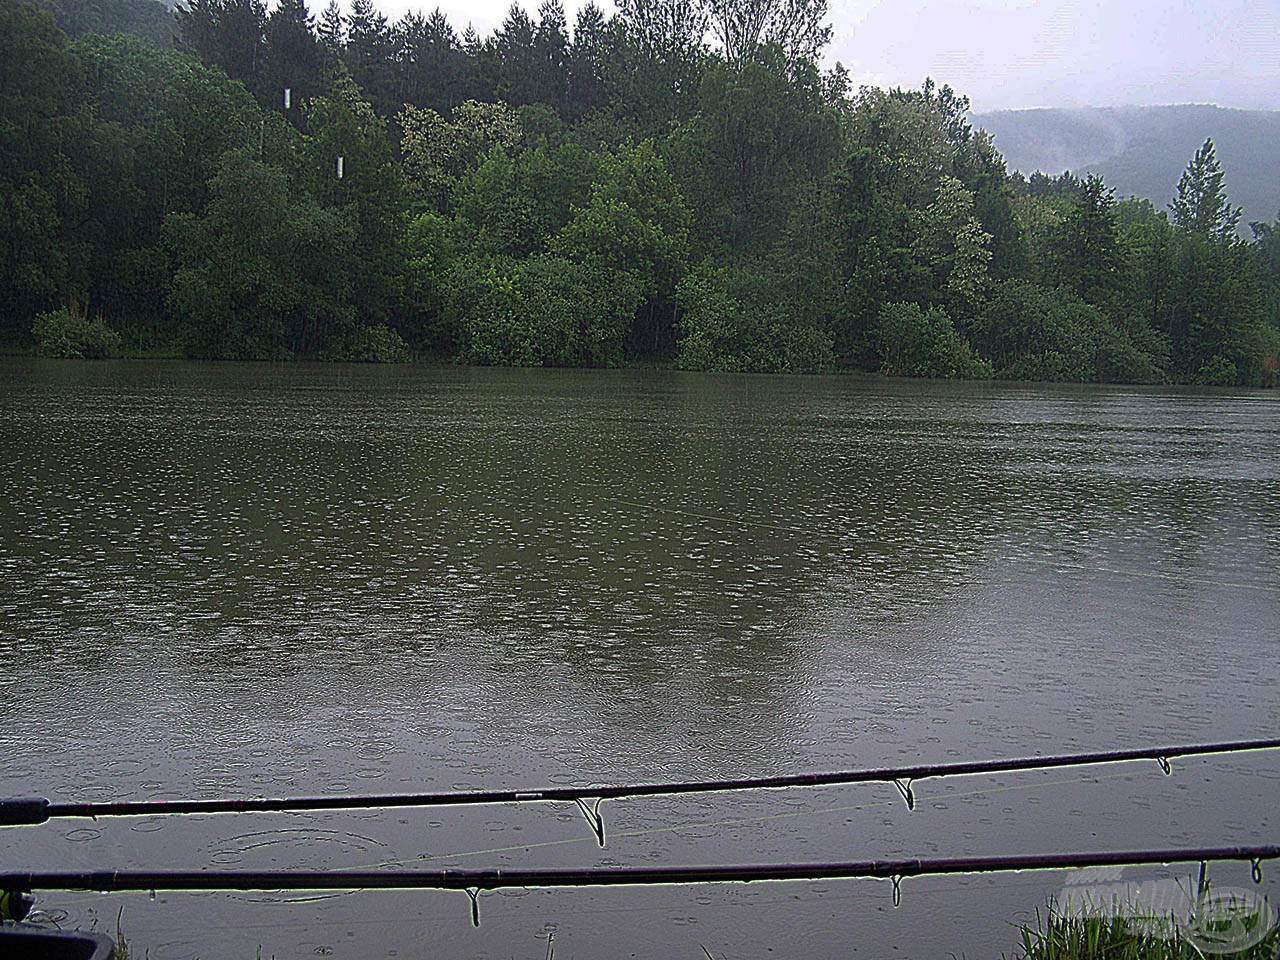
x=36, y=810
x=494, y=879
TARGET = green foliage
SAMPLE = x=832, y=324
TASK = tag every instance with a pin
x=368, y=199
x=1219, y=371
x=294, y=59
x=39, y=193
x=1061, y=936
x=542, y=311
x=376, y=344
x=1263, y=359
x=1031, y=332
x=1085, y=248
x=146, y=19
x=950, y=249
x=438, y=152
x=62, y=334
x=1201, y=205
x=1142, y=151
x=1137, y=354
x=636, y=222
x=431, y=249
x=513, y=204
x=1212, y=307
x=916, y=137
x=680, y=183
x=728, y=324
x=916, y=343
x=264, y=272
x=763, y=129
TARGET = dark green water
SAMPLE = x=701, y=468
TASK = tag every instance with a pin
x=254, y=579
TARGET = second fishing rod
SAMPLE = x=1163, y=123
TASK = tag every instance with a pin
x=30, y=811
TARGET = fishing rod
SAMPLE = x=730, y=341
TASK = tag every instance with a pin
x=28, y=811
x=476, y=881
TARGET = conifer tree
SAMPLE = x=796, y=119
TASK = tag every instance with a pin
x=293, y=57
x=551, y=50
x=332, y=29
x=586, y=62
x=1202, y=206
x=369, y=55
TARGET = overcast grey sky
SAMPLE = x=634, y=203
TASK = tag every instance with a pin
x=1029, y=53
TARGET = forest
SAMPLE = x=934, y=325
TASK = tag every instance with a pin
x=679, y=183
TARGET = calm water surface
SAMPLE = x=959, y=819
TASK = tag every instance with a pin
x=240, y=580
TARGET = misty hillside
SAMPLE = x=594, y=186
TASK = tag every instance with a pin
x=1142, y=151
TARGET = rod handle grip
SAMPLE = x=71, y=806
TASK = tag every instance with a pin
x=23, y=811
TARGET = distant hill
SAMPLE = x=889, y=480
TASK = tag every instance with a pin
x=1142, y=151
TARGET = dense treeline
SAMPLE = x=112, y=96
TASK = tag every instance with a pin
x=677, y=183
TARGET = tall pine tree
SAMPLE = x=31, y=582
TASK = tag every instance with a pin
x=1201, y=206
x=586, y=63
x=369, y=55
x=1087, y=245
x=242, y=28
x=551, y=50
x=431, y=67
x=513, y=43
x=198, y=29
x=293, y=57
x=332, y=32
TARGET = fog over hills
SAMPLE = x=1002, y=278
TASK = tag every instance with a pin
x=1142, y=151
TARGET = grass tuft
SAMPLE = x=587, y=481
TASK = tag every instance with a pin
x=1059, y=936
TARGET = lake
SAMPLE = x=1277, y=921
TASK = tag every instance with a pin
x=228, y=580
